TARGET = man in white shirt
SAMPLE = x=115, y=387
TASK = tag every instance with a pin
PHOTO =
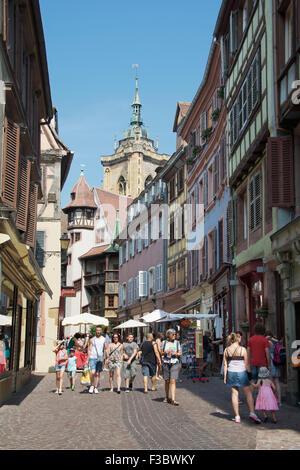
x=95, y=358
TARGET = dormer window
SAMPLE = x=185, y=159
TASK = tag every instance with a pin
x=73, y=196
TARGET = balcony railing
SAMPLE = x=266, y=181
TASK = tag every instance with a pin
x=94, y=279
x=78, y=222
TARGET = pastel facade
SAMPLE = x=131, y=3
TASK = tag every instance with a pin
x=284, y=149
x=25, y=101
x=204, y=131
x=142, y=275
x=91, y=278
x=56, y=159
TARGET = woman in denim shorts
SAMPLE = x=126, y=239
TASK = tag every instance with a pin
x=236, y=370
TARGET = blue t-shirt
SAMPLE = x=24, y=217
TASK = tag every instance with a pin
x=72, y=363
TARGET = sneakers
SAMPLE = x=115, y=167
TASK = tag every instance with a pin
x=127, y=390
x=130, y=387
x=236, y=419
x=91, y=389
x=73, y=388
x=96, y=390
x=255, y=418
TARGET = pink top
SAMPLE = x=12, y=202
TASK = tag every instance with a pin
x=61, y=357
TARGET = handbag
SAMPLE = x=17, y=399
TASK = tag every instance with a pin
x=85, y=378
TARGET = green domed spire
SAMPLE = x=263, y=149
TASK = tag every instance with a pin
x=136, y=107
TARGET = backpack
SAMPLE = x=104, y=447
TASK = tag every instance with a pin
x=177, y=348
x=279, y=355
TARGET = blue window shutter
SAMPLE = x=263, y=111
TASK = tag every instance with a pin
x=121, y=256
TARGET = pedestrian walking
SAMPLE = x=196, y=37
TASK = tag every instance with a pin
x=107, y=335
x=130, y=350
x=149, y=360
x=275, y=369
x=236, y=370
x=206, y=352
x=258, y=351
x=158, y=367
x=72, y=367
x=266, y=400
x=60, y=366
x=171, y=354
x=114, y=360
x=95, y=358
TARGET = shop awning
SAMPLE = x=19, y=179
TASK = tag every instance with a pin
x=188, y=306
x=154, y=316
x=20, y=266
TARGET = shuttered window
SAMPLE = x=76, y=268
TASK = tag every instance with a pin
x=10, y=169
x=220, y=237
x=143, y=284
x=23, y=194
x=246, y=101
x=281, y=172
x=233, y=31
x=204, y=258
x=32, y=215
x=231, y=225
x=39, y=250
x=130, y=292
x=255, y=201
x=203, y=126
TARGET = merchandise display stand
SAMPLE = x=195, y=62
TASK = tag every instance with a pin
x=199, y=354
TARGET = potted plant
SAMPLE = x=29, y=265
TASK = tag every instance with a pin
x=215, y=115
x=244, y=326
x=263, y=312
x=221, y=91
x=206, y=133
x=196, y=150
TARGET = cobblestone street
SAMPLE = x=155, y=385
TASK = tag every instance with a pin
x=37, y=418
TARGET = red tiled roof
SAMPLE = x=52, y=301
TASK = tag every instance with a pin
x=118, y=202
x=84, y=196
x=96, y=251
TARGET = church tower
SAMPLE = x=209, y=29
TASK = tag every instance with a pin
x=135, y=160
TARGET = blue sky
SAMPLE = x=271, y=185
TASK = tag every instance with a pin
x=91, y=47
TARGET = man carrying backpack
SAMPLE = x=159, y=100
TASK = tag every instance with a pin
x=258, y=351
x=277, y=351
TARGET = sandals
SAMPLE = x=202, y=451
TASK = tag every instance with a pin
x=175, y=403
x=165, y=400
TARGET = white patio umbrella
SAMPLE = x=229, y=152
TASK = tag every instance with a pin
x=5, y=320
x=85, y=319
x=154, y=316
x=130, y=324
x=191, y=316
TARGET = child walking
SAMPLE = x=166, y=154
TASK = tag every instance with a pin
x=61, y=361
x=266, y=400
x=72, y=367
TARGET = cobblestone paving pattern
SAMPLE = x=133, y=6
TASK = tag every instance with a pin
x=37, y=418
